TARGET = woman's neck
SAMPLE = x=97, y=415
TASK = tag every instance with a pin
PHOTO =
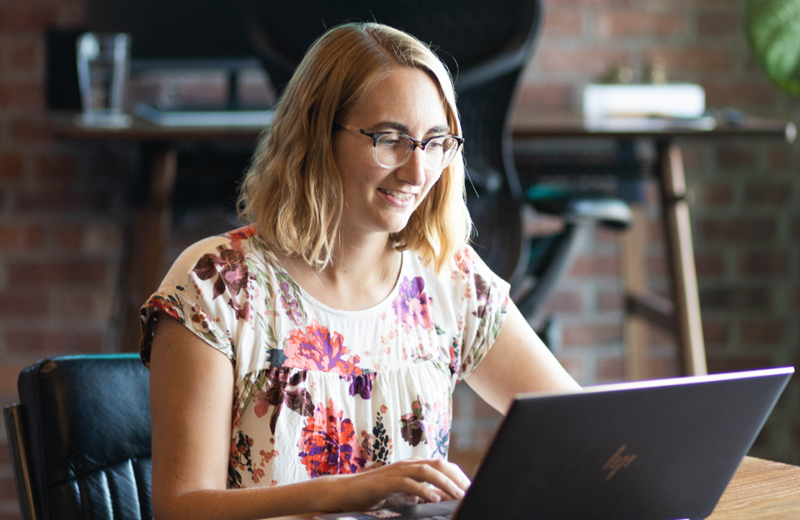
x=359, y=276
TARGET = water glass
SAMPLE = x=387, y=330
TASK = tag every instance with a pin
x=103, y=67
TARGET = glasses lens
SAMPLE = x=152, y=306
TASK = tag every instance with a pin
x=392, y=150
x=440, y=152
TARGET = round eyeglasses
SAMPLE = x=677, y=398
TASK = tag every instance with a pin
x=394, y=149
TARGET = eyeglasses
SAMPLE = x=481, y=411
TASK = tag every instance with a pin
x=393, y=149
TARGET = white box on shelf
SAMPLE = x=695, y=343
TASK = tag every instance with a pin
x=670, y=100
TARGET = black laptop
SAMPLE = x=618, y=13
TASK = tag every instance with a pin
x=650, y=450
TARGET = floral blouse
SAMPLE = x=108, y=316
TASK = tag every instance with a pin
x=320, y=391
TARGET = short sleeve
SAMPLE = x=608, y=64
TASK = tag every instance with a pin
x=485, y=305
x=202, y=291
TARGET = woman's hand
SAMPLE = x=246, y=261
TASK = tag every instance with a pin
x=405, y=482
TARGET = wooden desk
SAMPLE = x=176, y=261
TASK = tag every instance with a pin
x=681, y=314
x=760, y=490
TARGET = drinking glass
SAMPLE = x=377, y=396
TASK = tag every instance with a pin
x=103, y=67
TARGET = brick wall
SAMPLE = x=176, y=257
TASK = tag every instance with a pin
x=62, y=216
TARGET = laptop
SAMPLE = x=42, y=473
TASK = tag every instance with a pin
x=649, y=450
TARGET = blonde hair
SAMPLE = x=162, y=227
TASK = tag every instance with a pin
x=292, y=191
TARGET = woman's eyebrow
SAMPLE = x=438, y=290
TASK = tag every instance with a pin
x=399, y=127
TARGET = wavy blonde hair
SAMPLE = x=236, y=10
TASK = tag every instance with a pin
x=292, y=191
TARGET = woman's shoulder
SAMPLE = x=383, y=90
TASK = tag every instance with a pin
x=241, y=242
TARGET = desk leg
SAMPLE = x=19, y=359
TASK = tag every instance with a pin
x=632, y=244
x=681, y=260
x=149, y=233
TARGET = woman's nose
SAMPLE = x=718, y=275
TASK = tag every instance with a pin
x=413, y=171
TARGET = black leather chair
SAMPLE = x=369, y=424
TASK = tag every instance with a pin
x=80, y=438
x=485, y=45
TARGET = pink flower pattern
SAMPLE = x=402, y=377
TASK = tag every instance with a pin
x=412, y=305
x=315, y=348
x=329, y=444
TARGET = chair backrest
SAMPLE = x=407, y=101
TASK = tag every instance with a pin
x=485, y=45
x=86, y=423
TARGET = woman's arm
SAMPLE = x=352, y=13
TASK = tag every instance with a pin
x=517, y=362
x=191, y=397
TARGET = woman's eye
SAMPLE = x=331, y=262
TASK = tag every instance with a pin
x=390, y=140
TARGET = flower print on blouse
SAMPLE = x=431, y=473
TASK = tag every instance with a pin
x=320, y=391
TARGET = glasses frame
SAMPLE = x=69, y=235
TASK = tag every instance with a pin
x=414, y=144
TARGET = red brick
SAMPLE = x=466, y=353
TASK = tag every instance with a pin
x=8, y=490
x=587, y=62
x=68, y=237
x=592, y=266
x=60, y=200
x=92, y=306
x=659, y=336
x=609, y=301
x=718, y=364
x=26, y=56
x=24, y=273
x=655, y=231
x=591, y=335
x=655, y=266
x=735, y=158
x=610, y=369
x=19, y=16
x=691, y=59
x=741, y=95
x=23, y=305
x=661, y=368
x=715, y=333
x=780, y=159
x=768, y=263
x=21, y=94
x=563, y=301
x=716, y=194
x=605, y=235
x=544, y=97
x=693, y=157
x=573, y=366
x=5, y=454
x=772, y=193
x=709, y=265
x=11, y=166
x=21, y=237
x=26, y=129
x=718, y=24
x=631, y=24
x=736, y=298
x=762, y=332
x=57, y=166
x=736, y=230
x=562, y=24
x=47, y=343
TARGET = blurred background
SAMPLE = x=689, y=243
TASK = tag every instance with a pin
x=65, y=206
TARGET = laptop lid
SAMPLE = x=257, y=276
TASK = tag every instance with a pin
x=650, y=450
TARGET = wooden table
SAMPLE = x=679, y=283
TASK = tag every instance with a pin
x=681, y=313
x=760, y=490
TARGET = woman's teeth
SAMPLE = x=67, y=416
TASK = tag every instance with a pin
x=397, y=194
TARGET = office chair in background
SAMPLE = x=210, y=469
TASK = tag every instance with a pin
x=486, y=54
x=80, y=439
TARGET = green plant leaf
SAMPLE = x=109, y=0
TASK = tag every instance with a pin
x=772, y=28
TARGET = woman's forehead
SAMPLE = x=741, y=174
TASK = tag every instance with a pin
x=403, y=97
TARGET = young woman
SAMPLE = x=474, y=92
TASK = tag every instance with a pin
x=341, y=318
